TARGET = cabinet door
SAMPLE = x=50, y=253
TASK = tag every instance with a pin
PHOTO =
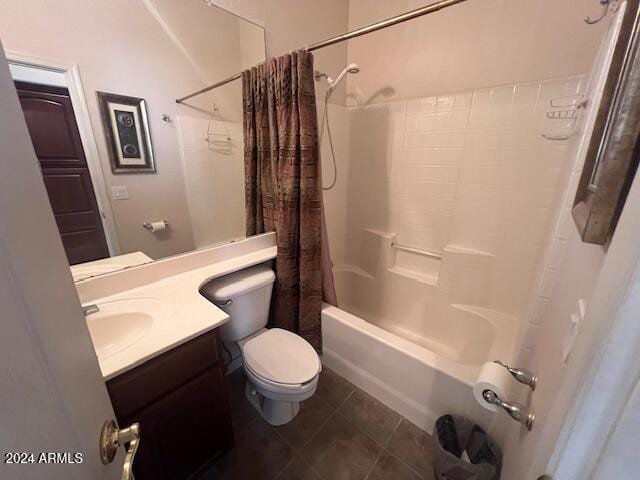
x=184, y=430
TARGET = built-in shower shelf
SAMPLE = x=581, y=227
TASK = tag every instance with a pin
x=413, y=275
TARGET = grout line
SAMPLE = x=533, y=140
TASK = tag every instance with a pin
x=373, y=465
x=293, y=457
x=388, y=452
x=402, y=462
x=297, y=453
x=393, y=432
x=348, y=396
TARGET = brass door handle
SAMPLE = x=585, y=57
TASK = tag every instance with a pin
x=112, y=437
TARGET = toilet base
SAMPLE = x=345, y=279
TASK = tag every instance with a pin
x=275, y=412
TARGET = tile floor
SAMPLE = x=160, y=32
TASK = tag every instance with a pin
x=340, y=433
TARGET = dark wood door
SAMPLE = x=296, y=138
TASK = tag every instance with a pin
x=56, y=141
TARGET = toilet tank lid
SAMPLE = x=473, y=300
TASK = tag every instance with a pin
x=238, y=283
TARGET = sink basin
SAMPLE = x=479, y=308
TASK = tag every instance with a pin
x=119, y=324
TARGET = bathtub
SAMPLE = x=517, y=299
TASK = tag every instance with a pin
x=411, y=350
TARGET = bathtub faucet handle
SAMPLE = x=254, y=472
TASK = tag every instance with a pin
x=521, y=375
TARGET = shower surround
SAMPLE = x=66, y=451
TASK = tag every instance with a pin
x=470, y=185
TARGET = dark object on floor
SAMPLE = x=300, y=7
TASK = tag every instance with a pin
x=447, y=435
x=479, y=449
x=455, y=435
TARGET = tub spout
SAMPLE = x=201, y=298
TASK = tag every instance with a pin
x=515, y=410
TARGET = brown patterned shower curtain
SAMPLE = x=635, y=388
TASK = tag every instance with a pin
x=283, y=188
x=258, y=176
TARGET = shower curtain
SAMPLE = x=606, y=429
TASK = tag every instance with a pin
x=283, y=186
x=258, y=176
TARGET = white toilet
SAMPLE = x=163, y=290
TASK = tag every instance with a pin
x=282, y=368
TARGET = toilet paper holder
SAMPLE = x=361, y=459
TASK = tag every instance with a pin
x=515, y=410
x=149, y=227
x=521, y=375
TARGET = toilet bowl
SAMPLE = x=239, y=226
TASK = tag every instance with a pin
x=282, y=368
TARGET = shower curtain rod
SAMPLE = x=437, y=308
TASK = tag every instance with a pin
x=418, y=12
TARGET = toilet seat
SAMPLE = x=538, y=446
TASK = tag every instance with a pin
x=281, y=360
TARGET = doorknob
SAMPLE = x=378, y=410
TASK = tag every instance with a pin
x=112, y=437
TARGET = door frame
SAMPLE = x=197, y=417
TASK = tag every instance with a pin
x=69, y=75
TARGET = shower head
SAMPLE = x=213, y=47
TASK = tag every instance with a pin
x=351, y=68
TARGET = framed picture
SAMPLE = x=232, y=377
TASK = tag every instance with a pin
x=126, y=128
x=614, y=150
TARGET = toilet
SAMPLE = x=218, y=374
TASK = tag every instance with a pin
x=282, y=368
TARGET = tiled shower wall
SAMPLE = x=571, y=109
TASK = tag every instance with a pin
x=214, y=181
x=469, y=170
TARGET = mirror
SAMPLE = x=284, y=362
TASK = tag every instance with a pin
x=133, y=176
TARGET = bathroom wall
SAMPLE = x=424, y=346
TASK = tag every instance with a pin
x=292, y=24
x=334, y=199
x=163, y=60
x=444, y=141
x=120, y=46
x=468, y=46
x=566, y=276
x=467, y=171
x=214, y=177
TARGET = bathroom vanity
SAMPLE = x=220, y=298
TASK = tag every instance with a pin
x=157, y=339
x=180, y=401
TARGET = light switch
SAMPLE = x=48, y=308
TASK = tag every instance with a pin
x=119, y=193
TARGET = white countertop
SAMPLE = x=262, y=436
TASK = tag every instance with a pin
x=189, y=313
x=82, y=271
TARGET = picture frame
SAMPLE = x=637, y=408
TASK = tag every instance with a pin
x=126, y=129
x=614, y=149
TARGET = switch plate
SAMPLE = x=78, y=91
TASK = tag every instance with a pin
x=119, y=193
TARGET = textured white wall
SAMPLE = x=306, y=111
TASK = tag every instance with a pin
x=468, y=46
x=214, y=179
x=292, y=24
x=463, y=171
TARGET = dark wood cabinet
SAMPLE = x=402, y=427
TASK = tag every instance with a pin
x=180, y=401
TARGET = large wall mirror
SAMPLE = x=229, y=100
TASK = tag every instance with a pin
x=132, y=176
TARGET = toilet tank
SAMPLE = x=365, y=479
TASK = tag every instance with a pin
x=245, y=296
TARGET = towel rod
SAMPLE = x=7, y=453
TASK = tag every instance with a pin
x=418, y=12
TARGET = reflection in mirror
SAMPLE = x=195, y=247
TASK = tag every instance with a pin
x=113, y=210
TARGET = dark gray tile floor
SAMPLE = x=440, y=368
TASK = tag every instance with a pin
x=340, y=433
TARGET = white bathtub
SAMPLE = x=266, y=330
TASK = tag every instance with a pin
x=417, y=356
